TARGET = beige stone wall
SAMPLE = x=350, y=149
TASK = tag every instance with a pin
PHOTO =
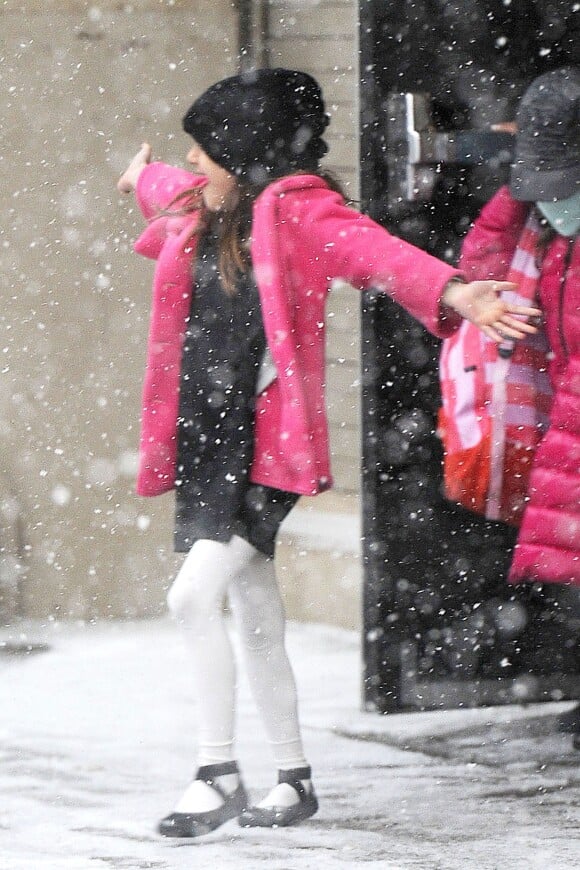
x=83, y=84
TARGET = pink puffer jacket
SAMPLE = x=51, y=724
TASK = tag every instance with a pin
x=303, y=237
x=548, y=547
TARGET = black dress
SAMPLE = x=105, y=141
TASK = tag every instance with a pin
x=223, y=349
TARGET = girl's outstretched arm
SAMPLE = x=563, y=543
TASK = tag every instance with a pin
x=480, y=302
x=357, y=249
x=128, y=181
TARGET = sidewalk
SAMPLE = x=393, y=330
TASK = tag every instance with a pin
x=96, y=743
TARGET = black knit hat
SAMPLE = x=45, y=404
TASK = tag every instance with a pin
x=261, y=124
x=547, y=154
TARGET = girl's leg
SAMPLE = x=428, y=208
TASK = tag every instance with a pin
x=196, y=601
x=259, y=612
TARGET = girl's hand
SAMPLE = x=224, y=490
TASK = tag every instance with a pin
x=480, y=303
x=128, y=181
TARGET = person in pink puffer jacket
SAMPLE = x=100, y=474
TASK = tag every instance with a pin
x=543, y=199
x=544, y=192
x=233, y=411
x=546, y=176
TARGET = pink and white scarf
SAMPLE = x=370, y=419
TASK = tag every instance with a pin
x=504, y=391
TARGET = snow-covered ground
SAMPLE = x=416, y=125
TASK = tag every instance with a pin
x=97, y=736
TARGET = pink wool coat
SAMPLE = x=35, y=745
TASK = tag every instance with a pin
x=303, y=237
x=548, y=546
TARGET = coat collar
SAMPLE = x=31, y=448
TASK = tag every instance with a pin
x=291, y=183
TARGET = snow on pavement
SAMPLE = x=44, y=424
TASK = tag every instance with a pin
x=97, y=740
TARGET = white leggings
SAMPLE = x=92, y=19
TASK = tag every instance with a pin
x=210, y=570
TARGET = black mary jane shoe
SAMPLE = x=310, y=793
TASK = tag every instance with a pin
x=197, y=824
x=281, y=817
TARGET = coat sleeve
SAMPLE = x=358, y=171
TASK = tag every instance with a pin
x=157, y=187
x=490, y=244
x=159, y=184
x=365, y=255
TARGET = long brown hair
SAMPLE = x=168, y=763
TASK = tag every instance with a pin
x=234, y=227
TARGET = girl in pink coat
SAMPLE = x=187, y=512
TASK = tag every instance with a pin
x=233, y=402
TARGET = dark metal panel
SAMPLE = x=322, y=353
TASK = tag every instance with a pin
x=441, y=627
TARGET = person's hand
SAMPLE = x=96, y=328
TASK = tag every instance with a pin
x=480, y=303
x=128, y=180
x=505, y=127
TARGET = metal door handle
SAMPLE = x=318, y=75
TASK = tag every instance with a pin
x=416, y=150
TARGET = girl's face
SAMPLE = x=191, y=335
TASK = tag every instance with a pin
x=221, y=191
